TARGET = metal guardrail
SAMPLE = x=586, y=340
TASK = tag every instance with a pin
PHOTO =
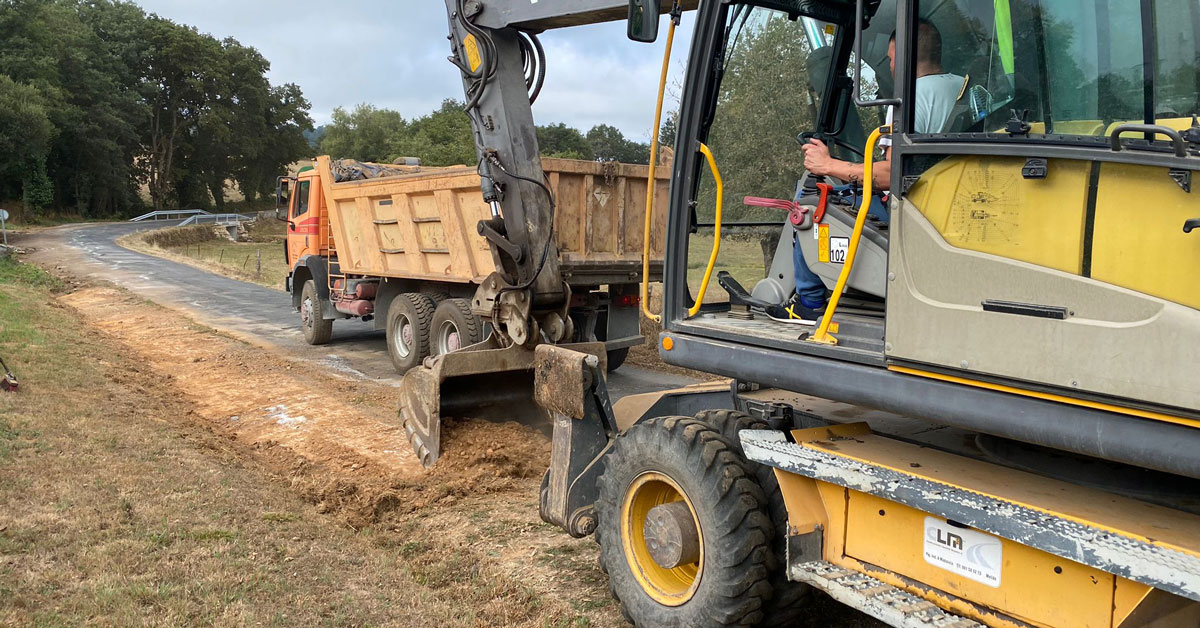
x=169, y=214
x=215, y=219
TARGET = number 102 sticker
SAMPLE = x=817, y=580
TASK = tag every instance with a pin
x=838, y=247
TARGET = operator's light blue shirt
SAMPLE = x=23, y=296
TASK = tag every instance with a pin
x=936, y=95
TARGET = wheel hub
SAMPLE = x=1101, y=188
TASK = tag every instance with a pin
x=448, y=338
x=671, y=535
x=662, y=538
x=404, y=339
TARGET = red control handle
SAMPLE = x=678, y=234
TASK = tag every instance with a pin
x=795, y=210
x=825, y=189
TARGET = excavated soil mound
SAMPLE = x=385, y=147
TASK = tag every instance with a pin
x=337, y=439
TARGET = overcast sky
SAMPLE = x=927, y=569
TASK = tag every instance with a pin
x=392, y=54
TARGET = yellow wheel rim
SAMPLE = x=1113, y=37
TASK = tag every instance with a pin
x=669, y=587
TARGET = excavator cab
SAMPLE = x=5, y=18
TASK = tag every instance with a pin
x=1033, y=233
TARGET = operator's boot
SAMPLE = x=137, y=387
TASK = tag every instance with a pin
x=794, y=311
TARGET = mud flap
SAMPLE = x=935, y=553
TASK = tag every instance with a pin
x=479, y=382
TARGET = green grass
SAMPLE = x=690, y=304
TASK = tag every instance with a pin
x=742, y=258
x=14, y=272
x=261, y=262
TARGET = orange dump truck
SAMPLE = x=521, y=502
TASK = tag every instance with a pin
x=398, y=244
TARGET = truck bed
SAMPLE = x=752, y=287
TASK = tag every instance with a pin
x=422, y=225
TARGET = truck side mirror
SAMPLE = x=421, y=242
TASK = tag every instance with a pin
x=643, y=20
x=281, y=198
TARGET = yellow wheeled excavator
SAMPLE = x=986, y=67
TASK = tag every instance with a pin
x=995, y=419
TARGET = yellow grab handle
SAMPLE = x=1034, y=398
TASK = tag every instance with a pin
x=822, y=334
x=716, y=247
x=650, y=187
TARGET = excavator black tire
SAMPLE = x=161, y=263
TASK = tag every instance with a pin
x=457, y=315
x=317, y=329
x=669, y=459
x=788, y=604
x=417, y=309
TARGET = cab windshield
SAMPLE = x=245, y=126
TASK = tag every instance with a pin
x=1070, y=67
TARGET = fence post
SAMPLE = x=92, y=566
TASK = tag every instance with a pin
x=245, y=262
x=258, y=267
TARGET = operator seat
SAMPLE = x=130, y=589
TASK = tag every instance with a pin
x=870, y=267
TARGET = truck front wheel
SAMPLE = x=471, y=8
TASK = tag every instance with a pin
x=317, y=329
x=408, y=321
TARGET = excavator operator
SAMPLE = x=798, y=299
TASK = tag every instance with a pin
x=936, y=93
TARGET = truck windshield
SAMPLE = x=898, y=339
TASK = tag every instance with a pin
x=1078, y=68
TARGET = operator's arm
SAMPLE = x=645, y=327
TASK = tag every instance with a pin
x=817, y=160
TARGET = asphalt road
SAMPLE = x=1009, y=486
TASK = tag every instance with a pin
x=248, y=311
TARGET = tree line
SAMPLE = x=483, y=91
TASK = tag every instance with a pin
x=99, y=98
x=443, y=138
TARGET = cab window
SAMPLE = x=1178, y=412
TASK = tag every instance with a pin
x=1076, y=68
x=302, y=198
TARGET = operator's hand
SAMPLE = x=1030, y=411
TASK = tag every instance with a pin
x=816, y=158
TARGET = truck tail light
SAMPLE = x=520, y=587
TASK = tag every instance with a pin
x=627, y=300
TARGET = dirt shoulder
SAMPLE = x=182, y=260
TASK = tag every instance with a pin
x=153, y=471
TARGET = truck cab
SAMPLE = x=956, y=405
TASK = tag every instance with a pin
x=302, y=206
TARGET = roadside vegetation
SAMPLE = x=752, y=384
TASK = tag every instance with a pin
x=257, y=258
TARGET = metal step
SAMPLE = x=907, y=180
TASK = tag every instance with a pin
x=893, y=606
x=1155, y=546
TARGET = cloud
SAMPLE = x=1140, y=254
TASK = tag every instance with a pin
x=393, y=55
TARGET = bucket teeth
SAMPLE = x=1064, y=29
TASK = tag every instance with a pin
x=419, y=414
x=418, y=444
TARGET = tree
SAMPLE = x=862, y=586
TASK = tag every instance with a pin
x=365, y=133
x=284, y=142
x=25, y=135
x=608, y=143
x=669, y=129
x=314, y=137
x=560, y=140
x=82, y=59
x=442, y=138
x=132, y=99
x=760, y=109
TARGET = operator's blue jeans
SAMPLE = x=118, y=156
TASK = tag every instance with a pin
x=809, y=286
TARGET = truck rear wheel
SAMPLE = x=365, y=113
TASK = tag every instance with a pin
x=787, y=605
x=454, y=326
x=317, y=329
x=408, y=322
x=683, y=529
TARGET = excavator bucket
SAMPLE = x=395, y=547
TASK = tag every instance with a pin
x=479, y=382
